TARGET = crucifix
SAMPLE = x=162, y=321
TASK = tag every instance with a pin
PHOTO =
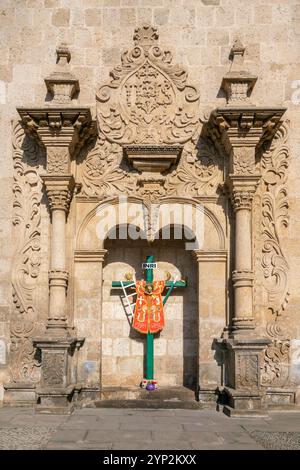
x=148, y=317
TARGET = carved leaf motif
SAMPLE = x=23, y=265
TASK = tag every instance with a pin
x=276, y=364
x=101, y=173
x=27, y=198
x=148, y=99
x=274, y=217
x=25, y=364
x=57, y=160
x=199, y=172
x=27, y=190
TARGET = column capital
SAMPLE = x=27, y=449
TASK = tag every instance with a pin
x=242, y=190
x=59, y=191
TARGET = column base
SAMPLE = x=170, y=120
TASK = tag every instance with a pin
x=57, y=388
x=55, y=400
x=245, y=403
x=243, y=361
x=208, y=398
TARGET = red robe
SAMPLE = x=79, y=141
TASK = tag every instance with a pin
x=148, y=314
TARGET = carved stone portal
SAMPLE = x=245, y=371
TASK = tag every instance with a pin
x=149, y=144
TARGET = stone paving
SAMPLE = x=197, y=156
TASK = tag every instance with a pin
x=108, y=428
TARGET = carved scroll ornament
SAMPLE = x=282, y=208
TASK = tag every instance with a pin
x=274, y=217
x=26, y=264
x=199, y=172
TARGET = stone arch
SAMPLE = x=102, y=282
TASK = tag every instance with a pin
x=92, y=234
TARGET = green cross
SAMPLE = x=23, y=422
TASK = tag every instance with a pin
x=150, y=337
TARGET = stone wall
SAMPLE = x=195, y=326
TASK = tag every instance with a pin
x=200, y=34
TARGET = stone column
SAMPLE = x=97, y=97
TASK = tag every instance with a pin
x=59, y=191
x=242, y=192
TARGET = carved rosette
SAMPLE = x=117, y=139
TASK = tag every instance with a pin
x=57, y=160
x=244, y=161
x=26, y=263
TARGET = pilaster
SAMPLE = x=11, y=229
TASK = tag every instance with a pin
x=242, y=128
x=62, y=129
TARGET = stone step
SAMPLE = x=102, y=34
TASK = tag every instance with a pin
x=178, y=397
x=148, y=404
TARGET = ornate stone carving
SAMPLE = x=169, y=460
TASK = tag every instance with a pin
x=57, y=160
x=148, y=99
x=59, y=191
x=247, y=374
x=244, y=161
x=53, y=368
x=275, y=368
x=100, y=172
x=242, y=199
x=274, y=217
x=26, y=264
x=199, y=171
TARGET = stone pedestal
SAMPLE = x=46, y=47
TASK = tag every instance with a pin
x=242, y=377
x=58, y=380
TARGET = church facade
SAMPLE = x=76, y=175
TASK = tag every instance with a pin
x=168, y=129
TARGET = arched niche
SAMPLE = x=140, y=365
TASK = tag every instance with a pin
x=149, y=220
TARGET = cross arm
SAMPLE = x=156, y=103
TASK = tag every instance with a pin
x=167, y=284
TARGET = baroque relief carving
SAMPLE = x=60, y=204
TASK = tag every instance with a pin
x=27, y=197
x=199, y=172
x=100, y=172
x=244, y=161
x=148, y=99
x=57, y=160
x=242, y=199
x=274, y=217
x=247, y=370
x=274, y=203
x=275, y=370
x=53, y=368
